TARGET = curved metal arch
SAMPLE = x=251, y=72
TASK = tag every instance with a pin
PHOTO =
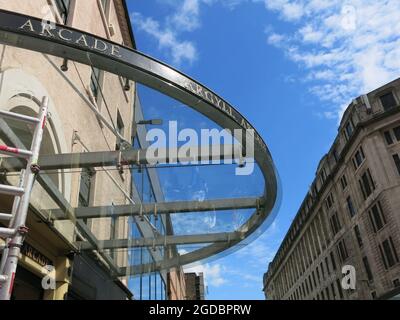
x=28, y=33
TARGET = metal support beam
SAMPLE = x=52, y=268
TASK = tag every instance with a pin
x=160, y=208
x=224, y=237
x=127, y=157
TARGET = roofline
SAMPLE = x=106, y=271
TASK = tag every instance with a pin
x=128, y=19
x=324, y=186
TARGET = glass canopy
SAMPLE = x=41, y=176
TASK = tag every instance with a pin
x=107, y=190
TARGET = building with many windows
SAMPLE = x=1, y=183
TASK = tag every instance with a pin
x=351, y=214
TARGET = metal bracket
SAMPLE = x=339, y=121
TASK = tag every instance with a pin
x=35, y=168
x=119, y=163
x=141, y=212
x=75, y=137
x=155, y=212
x=242, y=162
x=64, y=66
x=23, y=230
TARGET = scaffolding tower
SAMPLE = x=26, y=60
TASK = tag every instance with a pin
x=15, y=234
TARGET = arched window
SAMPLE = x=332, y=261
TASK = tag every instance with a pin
x=24, y=132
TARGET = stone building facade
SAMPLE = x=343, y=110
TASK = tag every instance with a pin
x=194, y=286
x=73, y=90
x=351, y=214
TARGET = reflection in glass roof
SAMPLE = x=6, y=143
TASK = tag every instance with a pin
x=175, y=183
x=201, y=182
x=210, y=221
x=95, y=197
x=209, y=182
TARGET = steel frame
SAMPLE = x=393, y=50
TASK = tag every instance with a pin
x=124, y=158
x=224, y=237
x=140, y=68
x=156, y=208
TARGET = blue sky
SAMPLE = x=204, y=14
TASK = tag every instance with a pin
x=290, y=67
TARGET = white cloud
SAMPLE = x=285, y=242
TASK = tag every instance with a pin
x=232, y=4
x=309, y=34
x=262, y=250
x=275, y=39
x=347, y=47
x=167, y=39
x=184, y=18
x=257, y=255
x=289, y=10
x=187, y=16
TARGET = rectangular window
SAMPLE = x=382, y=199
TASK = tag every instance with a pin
x=358, y=158
x=113, y=228
x=396, y=132
x=113, y=231
x=388, y=138
x=396, y=283
x=95, y=83
x=335, y=223
x=104, y=4
x=396, y=160
x=323, y=175
x=367, y=184
x=85, y=187
x=333, y=291
x=329, y=201
x=327, y=265
x=342, y=250
x=327, y=293
x=335, y=155
x=333, y=260
x=322, y=270
x=349, y=129
x=313, y=276
x=358, y=236
x=377, y=217
x=350, y=207
x=120, y=129
x=388, y=101
x=388, y=253
x=367, y=269
x=63, y=9
x=343, y=182
x=339, y=287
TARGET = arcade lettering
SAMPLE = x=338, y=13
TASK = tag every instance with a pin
x=72, y=37
x=34, y=254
